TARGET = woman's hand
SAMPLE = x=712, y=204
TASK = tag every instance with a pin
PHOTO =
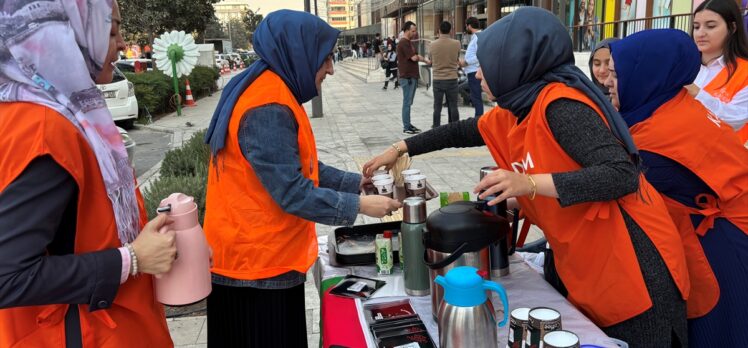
x=378, y=206
x=156, y=250
x=364, y=181
x=505, y=184
x=386, y=159
x=693, y=89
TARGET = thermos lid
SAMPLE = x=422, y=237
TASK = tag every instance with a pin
x=414, y=210
x=487, y=170
x=463, y=223
x=179, y=203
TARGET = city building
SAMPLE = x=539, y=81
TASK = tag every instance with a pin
x=589, y=21
x=341, y=14
x=230, y=9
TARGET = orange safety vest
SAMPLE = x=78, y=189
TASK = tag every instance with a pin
x=135, y=319
x=685, y=131
x=725, y=92
x=592, y=247
x=252, y=237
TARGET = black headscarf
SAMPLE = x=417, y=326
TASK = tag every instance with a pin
x=602, y=44
x=525, y=51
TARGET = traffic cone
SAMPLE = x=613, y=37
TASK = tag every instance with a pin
x=188, y=101
x=234, y=67
x=225, y=69
x=241, y=66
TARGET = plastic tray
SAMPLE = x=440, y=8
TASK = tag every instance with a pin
x=370, y=229
x=431, y=193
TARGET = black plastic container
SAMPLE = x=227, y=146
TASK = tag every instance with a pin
x=369, y=230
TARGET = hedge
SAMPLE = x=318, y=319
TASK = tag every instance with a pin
x=184, y=170
x=154, y=89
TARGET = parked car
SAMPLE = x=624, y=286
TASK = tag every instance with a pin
x=129, y=144
x=128, y=65
x=120, y=99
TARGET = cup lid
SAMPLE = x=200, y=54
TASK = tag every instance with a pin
x=180, y=203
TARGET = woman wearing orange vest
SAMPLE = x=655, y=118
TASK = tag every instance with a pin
x=696, y=162
x=70, y=216
x=266, y=187
x=566, y=155
x=722, y=82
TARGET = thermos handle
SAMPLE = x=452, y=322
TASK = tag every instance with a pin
x=515, y=231
x=444, y=263
x=502, y=293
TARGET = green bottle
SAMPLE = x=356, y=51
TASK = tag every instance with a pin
x=411, y=244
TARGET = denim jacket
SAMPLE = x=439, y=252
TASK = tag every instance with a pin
x=268, y=137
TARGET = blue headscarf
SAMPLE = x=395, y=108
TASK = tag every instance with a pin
x=293, y=45
x=525, y=51
x=652, y=66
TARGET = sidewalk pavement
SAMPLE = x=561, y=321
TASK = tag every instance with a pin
x=360, y=121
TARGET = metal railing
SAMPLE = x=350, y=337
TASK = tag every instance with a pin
x=585, y=37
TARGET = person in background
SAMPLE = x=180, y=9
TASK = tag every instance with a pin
x=76, y=256
x=697, y=163
x=599, y=60
x=377, y=43
x=267, y=189
x=391, y=72
x=445, y=55
x=471, y=65
x=568, y=158
x=722, y=83
x=407, y=68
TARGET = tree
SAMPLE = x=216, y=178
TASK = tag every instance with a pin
x=240, y=36
x=152, y=17
x=251, y=21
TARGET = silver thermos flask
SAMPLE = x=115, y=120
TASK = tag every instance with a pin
x=499, y=251
x=411, y=244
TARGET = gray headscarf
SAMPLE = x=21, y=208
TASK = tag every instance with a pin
x=528, y=49
x=602, y=44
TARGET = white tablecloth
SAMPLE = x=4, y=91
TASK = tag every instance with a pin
x=524, y=287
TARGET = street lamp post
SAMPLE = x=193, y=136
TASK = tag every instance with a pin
x=316, y=101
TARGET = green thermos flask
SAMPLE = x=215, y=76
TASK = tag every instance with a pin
x=411, y=244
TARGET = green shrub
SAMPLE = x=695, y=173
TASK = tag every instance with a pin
x=189, y=160
x=163, y=186
x=184, y=170
x=154, y=90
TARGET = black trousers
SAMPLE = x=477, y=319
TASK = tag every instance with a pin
x=249, y=317
x=441, y=89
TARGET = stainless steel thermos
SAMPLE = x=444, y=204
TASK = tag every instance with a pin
x=499, y=251
x=411, y=245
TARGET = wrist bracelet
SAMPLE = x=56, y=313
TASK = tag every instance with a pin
x=397, y=148
x=133, y=259
x=534, y=188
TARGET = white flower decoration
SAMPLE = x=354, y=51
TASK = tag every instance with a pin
x=183, y=49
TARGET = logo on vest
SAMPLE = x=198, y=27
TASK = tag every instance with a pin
x=522, y=166
x=712, y=117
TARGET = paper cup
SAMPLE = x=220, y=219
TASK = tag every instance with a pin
x=385, y=187
x=381, y=177
x=415, y=185
x=408, y=172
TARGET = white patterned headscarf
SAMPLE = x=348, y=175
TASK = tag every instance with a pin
x=50, y=54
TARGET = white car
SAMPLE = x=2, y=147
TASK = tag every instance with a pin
x=120, y=99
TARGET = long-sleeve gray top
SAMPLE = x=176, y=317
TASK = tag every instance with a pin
x=607, y=172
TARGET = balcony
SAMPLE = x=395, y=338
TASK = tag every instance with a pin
x=394, y=8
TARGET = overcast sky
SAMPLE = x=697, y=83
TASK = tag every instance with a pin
x=267, y=6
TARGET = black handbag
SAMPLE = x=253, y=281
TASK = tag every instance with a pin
x=384, y=64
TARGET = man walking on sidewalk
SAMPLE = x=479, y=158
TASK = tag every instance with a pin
x=445, y=54
x=470, y=63
x=407, y=65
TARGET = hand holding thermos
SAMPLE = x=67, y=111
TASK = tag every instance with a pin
x=156, y=250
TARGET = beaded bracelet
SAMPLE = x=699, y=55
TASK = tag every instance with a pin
x=133, y=259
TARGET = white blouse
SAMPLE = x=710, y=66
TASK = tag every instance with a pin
x=734, y=113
